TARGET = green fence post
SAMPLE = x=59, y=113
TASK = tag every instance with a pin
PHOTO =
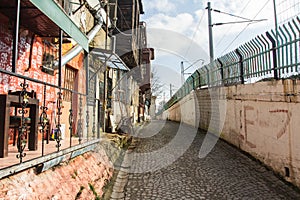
x=274, y=51
x=207, y=74
x=241, y=66
x=221, y=71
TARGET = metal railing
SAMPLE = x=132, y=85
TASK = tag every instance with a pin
x=78, y=115
x=262, y=58
x=66, y=119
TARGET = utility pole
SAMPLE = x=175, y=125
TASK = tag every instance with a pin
x=182, y=73
x=210, y=26
x=276, y=22
x=210, y=34
x=171, y=91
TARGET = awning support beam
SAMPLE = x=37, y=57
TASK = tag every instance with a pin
x=54, y=12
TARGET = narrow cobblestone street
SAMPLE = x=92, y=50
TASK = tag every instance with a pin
x=225, y=173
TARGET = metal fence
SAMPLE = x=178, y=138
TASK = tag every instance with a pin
x=287, y=10
x=273, y=55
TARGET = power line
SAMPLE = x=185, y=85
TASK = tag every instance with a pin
x=225, y=34
x=232, y=15
x=194, y=34
x=238, y=22
x=245, y=27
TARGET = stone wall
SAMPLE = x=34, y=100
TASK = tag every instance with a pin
x=80, y=178
x=261, y=119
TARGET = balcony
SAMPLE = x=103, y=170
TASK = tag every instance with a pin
x=47, y=117
x=45, y=18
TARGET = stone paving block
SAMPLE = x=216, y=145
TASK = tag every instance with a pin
x=117, y=195
x=225, y=173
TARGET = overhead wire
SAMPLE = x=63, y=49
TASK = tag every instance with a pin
x=238, y=22
x=194, y=34
x=226, y=32
x=245, y=27
x=232, y=15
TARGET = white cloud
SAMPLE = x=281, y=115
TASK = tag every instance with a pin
x=183, y=16
x=226, y=37
x=180, y=23
x=163, y=6
x=229, y=37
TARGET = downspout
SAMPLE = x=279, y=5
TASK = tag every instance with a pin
x=77, y=49
x=99, y=22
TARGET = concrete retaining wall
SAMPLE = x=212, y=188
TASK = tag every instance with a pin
x=261, y=119
x=184, y=111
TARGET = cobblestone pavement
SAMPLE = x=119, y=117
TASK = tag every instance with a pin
x=225, y=173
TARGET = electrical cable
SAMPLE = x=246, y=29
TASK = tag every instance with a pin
x=245, y=27
x=226, y=32
x=238, y=22
x=232, y=15
x=194, y=34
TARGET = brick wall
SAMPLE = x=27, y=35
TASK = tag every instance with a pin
x=91, y=170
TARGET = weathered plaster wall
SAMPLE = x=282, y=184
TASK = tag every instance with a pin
x=184, y=111
x=261, y=119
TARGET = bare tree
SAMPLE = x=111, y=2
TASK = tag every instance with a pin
x=157, y=87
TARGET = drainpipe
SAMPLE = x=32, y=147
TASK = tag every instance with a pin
x=77, y=49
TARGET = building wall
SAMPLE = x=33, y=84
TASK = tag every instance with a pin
x=11, y=83
x=261, y=119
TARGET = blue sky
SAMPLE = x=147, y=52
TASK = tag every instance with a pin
x=177, y=30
